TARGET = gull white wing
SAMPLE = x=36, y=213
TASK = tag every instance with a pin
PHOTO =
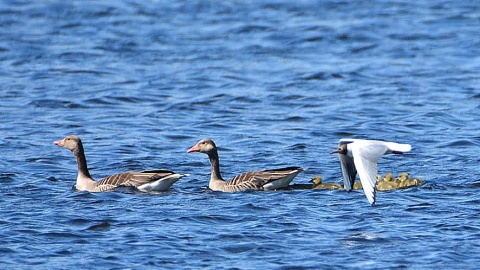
x=392, y=146
x=365, y=157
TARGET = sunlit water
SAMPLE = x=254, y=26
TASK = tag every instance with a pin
x=274, y=84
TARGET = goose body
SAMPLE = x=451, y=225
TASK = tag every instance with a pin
x=255, y=180
x=152, y=180
x=361, y=156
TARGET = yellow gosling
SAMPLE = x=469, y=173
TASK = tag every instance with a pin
x=383, y=184
x=386, y=185
x=403, y=176
x=411, y=182
x=318, y=183
x=388, y=177
x=357, y=185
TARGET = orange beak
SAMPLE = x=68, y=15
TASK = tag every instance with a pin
x=60, y=142
x=194, y=148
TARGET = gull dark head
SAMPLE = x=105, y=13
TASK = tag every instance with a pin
x=342, y=149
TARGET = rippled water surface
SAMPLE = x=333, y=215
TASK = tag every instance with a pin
x=274, y=84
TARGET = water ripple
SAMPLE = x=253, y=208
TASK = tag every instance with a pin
x=274, y=84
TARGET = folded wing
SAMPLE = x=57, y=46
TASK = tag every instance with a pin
x=260, y=180
x=131, y=179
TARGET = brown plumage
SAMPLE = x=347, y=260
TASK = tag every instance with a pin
x=153, y=180
x=256, y=180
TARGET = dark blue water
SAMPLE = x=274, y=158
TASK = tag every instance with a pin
x=274, y=83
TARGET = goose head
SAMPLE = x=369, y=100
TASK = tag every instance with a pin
x=403, y=177
x=388, y=177
x=206, y=146
x=70, y=142
x=317, y=180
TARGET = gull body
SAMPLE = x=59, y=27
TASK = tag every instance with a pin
x=361, y=156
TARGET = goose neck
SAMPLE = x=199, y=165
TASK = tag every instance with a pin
x=215, y=166
x=81, y=163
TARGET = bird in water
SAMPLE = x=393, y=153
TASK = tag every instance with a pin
x=404, y=181
x=361, y=156
x=255, y=180
x=153, y=180
x=318, y=183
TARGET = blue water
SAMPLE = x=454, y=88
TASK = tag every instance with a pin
x=274, y=83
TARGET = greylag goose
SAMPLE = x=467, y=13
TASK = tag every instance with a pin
x=256, y=180
x=362, y=156
x=153, y=180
